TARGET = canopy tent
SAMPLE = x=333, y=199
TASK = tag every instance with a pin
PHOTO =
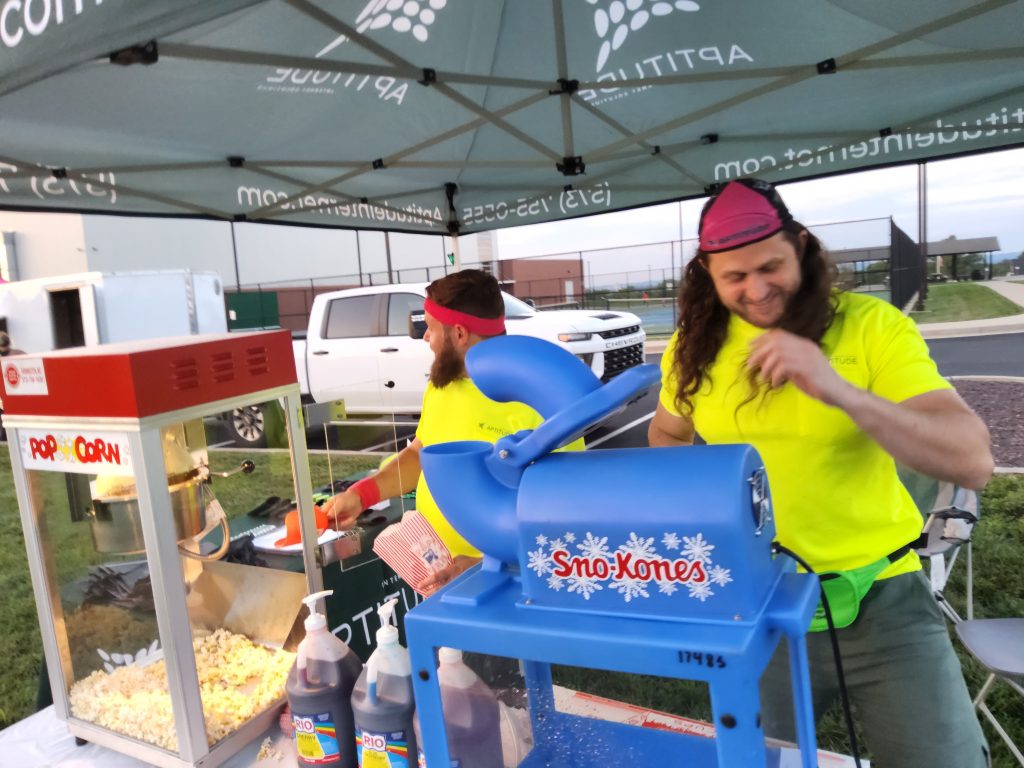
x=457, y=116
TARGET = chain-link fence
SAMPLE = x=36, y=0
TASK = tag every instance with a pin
x=642, y=279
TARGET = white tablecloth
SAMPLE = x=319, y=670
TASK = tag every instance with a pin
x=43, y=741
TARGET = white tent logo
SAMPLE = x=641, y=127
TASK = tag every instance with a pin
x=400, y=15
x=614, y=22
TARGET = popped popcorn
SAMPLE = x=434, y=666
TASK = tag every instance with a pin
x=237, y=680
x=268, y=751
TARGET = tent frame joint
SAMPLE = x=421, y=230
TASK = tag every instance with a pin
x=429, y=77
x=566, y=87
x=827, y=67
x=571, y=165
x=146, y=54
x=450, y=190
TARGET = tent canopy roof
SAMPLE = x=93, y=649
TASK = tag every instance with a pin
x=467, y=115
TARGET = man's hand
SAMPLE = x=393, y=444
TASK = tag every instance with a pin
x=783, y=356
x=434, y=582
x=934, y=433
x=342, y=509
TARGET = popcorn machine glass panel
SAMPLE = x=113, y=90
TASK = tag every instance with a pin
x=104, y=612
x=107, y=632
x=156, y=645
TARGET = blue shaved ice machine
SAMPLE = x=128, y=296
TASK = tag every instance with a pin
x=653, y=561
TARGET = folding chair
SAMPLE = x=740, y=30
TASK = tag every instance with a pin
x=950, y=513
x=999, y=645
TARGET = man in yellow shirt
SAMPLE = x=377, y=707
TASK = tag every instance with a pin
x=832, y=389
x=461, y=310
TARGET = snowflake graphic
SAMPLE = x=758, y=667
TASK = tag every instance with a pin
x=556, y=544
x=720, y=575
x=697, y=548
x=584, y=586
x=613, y=22
x=593, y=546
x=569, y=537
x=555, y=583
x=630, y=588
x=414, y=16
x=701, y=591
x=540, y=562
x=541, y=539
x=638, y=546
x=670, y=541
x=667, y=587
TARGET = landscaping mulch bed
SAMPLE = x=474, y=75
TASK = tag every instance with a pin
x=1000, y=404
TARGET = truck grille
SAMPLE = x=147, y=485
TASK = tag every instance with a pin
x=611, y=334
x=618, y=360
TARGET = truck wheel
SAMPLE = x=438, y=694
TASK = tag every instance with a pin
x=247, y=428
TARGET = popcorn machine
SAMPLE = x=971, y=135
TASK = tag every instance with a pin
x=644, y=561
x=155, y=646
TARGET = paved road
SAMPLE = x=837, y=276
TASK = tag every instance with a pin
x=997, y=355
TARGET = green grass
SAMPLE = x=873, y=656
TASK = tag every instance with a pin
x=963, y=301
x=998, y=591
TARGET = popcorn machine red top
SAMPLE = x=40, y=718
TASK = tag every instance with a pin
x=154, y=647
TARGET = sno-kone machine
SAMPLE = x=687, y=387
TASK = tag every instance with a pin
x=155, y=647
x=645, y=561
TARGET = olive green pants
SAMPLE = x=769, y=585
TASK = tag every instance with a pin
x=903, y=678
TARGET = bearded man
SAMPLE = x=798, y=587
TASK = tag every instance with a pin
x=462, y=309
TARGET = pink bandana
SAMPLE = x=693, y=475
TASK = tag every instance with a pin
x=746, y=211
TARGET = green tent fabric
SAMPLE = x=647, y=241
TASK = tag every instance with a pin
x=468, y=115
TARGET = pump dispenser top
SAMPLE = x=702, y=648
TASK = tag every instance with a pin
x=315, y=620
x=389, y=658
x=388, y=632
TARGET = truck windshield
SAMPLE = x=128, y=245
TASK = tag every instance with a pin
x=516, y=308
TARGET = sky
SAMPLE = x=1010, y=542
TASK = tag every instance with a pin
x=975, y=196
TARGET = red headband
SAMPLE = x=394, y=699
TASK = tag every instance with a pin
x=481, y=326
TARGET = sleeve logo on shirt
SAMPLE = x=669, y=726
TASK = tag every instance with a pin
x=842, y=360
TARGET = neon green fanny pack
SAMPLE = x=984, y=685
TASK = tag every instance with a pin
x=846, y=589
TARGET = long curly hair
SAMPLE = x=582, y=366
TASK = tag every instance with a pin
x=704, y=320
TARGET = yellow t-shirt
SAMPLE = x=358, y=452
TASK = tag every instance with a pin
x=460, y=411
x=838, y=501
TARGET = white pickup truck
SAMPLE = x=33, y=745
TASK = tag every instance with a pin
x=359, y=349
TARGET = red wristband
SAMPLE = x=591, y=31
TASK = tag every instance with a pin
x=367, y=490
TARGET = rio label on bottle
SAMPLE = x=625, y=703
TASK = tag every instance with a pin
x=382, y=750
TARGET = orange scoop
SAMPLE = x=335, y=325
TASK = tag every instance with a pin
x=291, y=527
